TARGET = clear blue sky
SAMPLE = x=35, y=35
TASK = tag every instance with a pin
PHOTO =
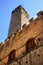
x=6, y=7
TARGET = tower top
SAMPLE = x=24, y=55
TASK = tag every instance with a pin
x=20, y=7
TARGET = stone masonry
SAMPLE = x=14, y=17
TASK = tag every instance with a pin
x=23, y=46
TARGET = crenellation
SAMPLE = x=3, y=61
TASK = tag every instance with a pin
x=31, y=20
x=40, y=14
x=24, y=26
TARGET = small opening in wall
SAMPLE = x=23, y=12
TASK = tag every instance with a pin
x=26, y=62
x=39, y=39
x=35, y=52
x=38, y=55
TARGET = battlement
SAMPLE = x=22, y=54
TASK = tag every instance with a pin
x=40, y=13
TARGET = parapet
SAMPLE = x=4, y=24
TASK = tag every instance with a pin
x=40, y=14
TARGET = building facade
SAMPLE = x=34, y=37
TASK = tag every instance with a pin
x=23, y=46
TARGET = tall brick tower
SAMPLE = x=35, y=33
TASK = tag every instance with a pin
x=18, y=19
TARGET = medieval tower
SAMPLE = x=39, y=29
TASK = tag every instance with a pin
x=18, y=19
x=24, y=44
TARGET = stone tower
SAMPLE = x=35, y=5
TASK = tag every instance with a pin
x=18, y=19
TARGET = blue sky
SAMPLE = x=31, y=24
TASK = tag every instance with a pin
x=6, y=7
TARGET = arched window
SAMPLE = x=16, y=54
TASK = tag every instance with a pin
x=11, y=55
x=30, y=44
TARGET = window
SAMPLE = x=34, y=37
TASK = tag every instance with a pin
x=11, y=55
